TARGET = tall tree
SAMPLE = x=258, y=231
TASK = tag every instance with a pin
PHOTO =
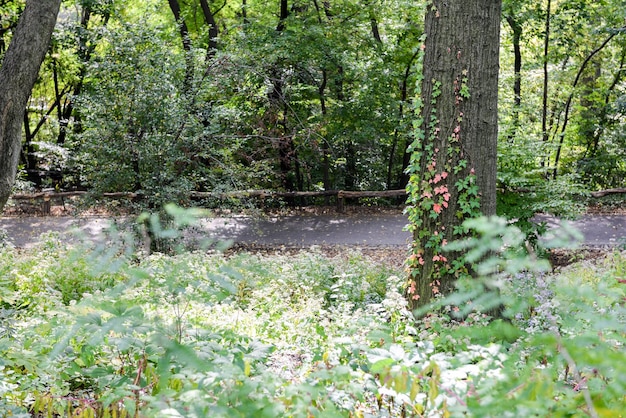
x=515, y=22
x=186, y=40
x=453, y=167
x=17, y=76
x=571, y=96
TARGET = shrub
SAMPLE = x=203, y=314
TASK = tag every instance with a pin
x=197, y=334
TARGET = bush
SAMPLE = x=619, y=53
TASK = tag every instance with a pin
x=197, y=334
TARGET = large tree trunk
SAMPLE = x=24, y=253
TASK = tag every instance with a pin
x=17, y=77
x=453, y=168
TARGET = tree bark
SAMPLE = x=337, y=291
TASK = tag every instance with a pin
x=544, y=105
x=324, y=146
x=209, y=18
x=453, y=168
x=244, y=12
x=516, y=27
x=592, y=148
x=375, y=31
x=287, y=155
x=186, y=41
x=85, y=51
x=404, y=96
x=284, y=14
x=17, y=77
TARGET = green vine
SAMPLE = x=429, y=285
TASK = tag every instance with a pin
x=430, y=191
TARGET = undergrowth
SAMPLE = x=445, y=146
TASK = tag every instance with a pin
x=114, y=333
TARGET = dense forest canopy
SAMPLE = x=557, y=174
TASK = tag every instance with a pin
x=168, y=97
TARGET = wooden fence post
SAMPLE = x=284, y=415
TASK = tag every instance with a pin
x=340, y=201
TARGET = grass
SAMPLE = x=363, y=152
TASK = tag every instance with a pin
x=114, y=333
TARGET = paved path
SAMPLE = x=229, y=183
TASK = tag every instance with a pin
x=297, y=230
x=306, y=230
x=596, y=230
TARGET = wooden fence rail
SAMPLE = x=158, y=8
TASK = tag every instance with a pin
x=46, y=197
x=601, y=193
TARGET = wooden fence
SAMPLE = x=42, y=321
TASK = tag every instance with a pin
x=340, y=196
x=47, y=196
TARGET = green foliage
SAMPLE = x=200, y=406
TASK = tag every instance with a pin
x=11, y=10
x=266, y=109
x=192, y=331
x=564, y=197
x=442, y=192
x=525, y=188
x=199, y=334
x=550, y=320
x=131, y=141
x=312, y=106
x=39, y=281
x=584, y=84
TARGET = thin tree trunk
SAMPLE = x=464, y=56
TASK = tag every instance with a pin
x=209, y=18
x=593, y=148
x=244, y=12
x=375, y=31
x=404, y=94
x=284, y=14
x=325, y=149
x=29, y=150
x=544, y=105
x=287, y=156
x=186, y=41
x=516, y=27
x=568, y=104
x=18, y=74
x=321, y=90
x=350, y=175
x=85, y=52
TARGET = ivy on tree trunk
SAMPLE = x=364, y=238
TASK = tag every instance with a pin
x=453, y=162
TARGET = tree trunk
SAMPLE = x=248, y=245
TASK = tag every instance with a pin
x=592, y=148
x=404, y=95
x=85, y=50
x=17, y=77
x=284, y=14
x=453, y=167
x=244, y=12
x=544, y=105
x=287, y=155
x=186, y=41
x=209, y=18
x=375, y=31
x=516, y=27
x=324, y=146
x=571, y=96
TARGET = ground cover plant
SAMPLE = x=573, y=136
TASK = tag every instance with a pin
x=113, y=331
